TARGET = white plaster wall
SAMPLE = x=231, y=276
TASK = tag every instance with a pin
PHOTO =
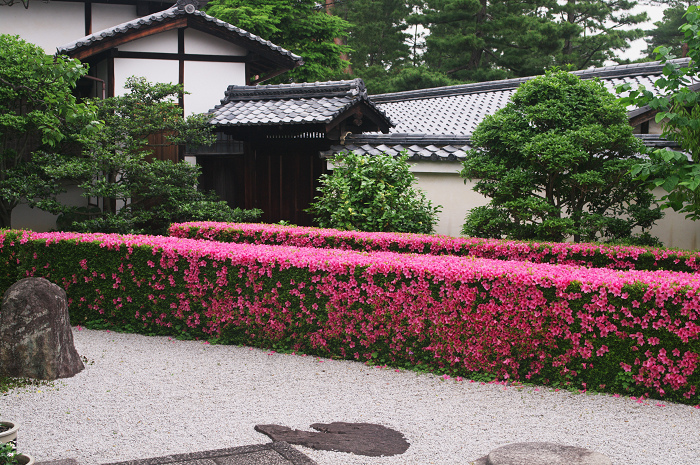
x=165, y=42
x=153, y=70
x=207, y=82
x=200, y=43
x=48, y=25
x=105, y=16
x=24, y=217
x=442, y=186
x=674, y=230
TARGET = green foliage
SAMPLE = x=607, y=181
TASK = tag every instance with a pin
x=475, y=40
x=38, y=114
x=555, y=163
x=139, y=194
x=677, y=103
x=408, y=78
x=7, y=383
x=667, y=32
x=8, y=454
x=297, y=25
x=378, y=33
x=373, y=193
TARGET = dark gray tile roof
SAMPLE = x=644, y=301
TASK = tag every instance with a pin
x=417, y=146
x=435, y=148
x=436, y=124
x=457, y=110
x=173, y=12
x=304, y=103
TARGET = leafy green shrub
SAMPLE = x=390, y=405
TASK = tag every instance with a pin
x=556, y=163
x=373, y=193
x=140, y=193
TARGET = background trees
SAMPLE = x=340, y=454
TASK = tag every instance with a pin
x=677, y=102
x=372, y=193
x=409, y=44
x=555, y=163
x=667, y=32
x=37, y=112
x=300, y=26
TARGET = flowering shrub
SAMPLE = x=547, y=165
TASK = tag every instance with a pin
x=591, y=255
x=633, y=332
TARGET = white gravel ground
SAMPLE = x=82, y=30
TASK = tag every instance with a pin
x=151, y=396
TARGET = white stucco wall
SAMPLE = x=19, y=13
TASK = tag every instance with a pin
x=201, y=43
x=654, y=128
x=48, y=25
x=442, y=186
x=105, y=15
x=153, y=70
x=206, y=83
x=164, y=42
x=24, y=217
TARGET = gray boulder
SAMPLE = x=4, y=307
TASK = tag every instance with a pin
x=36, y=340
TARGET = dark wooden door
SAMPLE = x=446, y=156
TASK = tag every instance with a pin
x=224, y=175
x=283, y=183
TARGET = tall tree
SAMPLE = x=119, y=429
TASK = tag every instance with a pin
x=598, y=30
x=555, y=163
x=36, y=111
x=462, y=37
x=139, y=194
x=667, y=31
x=378, y=36
x=300, y=26
x=477, y=40
x=677, y=102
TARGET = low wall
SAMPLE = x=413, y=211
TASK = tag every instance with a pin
x=443, y=186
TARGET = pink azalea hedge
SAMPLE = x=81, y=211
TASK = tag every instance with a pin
x=628, y=332
x=592, y=255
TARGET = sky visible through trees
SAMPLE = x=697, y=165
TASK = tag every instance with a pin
x=397, y=45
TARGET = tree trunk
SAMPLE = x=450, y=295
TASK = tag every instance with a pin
x=570, y=18
x=5, y=214
x=481, y=17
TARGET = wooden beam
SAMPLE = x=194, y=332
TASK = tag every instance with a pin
x=268, y=76
x=135, y=34
x=362, y=110
x=181, y=65
x=643, y=118
x=88, y=19
x=177, y=56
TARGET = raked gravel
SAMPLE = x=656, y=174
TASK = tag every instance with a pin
x=151, y=396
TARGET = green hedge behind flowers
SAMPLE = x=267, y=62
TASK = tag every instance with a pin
x=591, y=255
x=633, y=332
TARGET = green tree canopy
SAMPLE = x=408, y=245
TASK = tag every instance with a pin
x=677, y=102
x=372, y=193
x=300, y=26
x=480, y=40
x=667, y=32
x=555, y=163
x=36, y=111
x=378, y=34
x=140, y=194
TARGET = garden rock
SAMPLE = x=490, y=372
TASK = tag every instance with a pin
x=542, y=453
x=356, y=438
x=36, y=340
